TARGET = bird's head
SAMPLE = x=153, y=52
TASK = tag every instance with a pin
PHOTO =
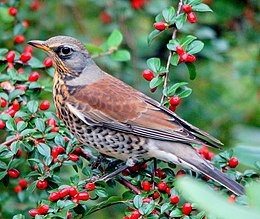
x=68, y=54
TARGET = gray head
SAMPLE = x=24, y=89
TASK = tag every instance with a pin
x=68, y=54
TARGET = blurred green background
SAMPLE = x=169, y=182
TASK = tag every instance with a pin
x=226, y=93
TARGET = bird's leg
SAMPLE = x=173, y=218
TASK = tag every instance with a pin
x=97, y=164
x=154, y=171
x=115, y=173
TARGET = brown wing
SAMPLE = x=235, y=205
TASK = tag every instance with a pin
x=111, y=103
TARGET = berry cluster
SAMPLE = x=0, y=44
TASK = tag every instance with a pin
x=22, y=184
x=191, y=16
x=184, y=57
x=42, y=210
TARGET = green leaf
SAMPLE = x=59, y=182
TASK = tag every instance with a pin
x=180, y=20
x=172, y=44
x=155, y=82
x=115, y=39
x=137, y=201
x=19, y=29
x=2, y=175
x=112, y=200
x=154, y=64
x=121, y=55
x=3, y=66
x=165, y=207
x=15, y=146
x=196, y=191
x=171, y=91
x=176, y=213
x=169, y=14
x=22, y=115
x=44, y=149
x=153, y=35
x=93, y=49
x=192, y=70
x=187, y=40
x=35, y=63
x=27, y=131
x=195, y=47
x=18, y=216
x=31, y=187
x=3, y=51
x=59, y=140
x=147, y=208
x=253, y=195
x=175, y=59
x=15, y=94
x=185, y=92
x=34, y=85
x=40, y=125
x=194, y=2
x=21, y=126
x=33, y=106
x=3, y=165
x=101, y=192
x=10, y=124
x=201, y=8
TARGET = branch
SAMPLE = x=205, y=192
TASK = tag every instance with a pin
x=166, y=77
x=10, y=141
x=129, y=186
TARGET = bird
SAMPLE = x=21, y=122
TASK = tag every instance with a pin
x=117, y=120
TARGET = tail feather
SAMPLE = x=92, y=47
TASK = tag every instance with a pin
x=185, y=155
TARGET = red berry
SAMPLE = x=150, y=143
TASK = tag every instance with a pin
x=33, y=212
x=126, y=217
x=153, y=89
x=172, y=108
x=35, y=5
x=47, y=62
x=45, y=104
x=73, y=157
x=233, y=162
x=90, y=186
x=231, y=198
x=28, y=49
x=25, y=24
x=192, y=17
x=12, y=11
x=73, y=191
x=162, y=186
x=64, y=192
x=42, y=184
x=137, y=4
x=16, y=105
x=146, y=186
x=168, y=190
x=148, y=75
x=179, y=50
x=210, y=155
x=135, y=215
x=183, y=57
x=186, y=208
x=160, y=25
x=51, y=122
x=34, y=76
x=18, y=189
x=181, y=173
x=190, y=58
x=14, y=173
x=10, y=112
x=146, y=200
x=61, y=150
x=2, y=124
x=21, y=87
x=69, y=215
x=186, y=8
x=66, y=139
x=83, y=196
x=3, y=102
x=156, y=195
x=19, y=39
x=23, y=183
x=105, y=17
x=10, y=56
x=174, y=199
x=75, y=199
x=10, y=65
x=43, y=209
x=54, y=196
x=175, y=100
x=20, y=70
x=55, y=129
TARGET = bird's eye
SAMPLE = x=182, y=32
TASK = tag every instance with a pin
x=65, y=51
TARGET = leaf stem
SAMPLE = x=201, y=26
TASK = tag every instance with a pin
x=166, y=77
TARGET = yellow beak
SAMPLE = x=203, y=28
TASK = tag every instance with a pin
x=39, y=44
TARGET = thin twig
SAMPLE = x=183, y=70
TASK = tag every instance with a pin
x=129, y=186
x=10, y=141
x=170, y=53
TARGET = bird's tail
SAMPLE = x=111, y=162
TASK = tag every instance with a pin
x=185, y=155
